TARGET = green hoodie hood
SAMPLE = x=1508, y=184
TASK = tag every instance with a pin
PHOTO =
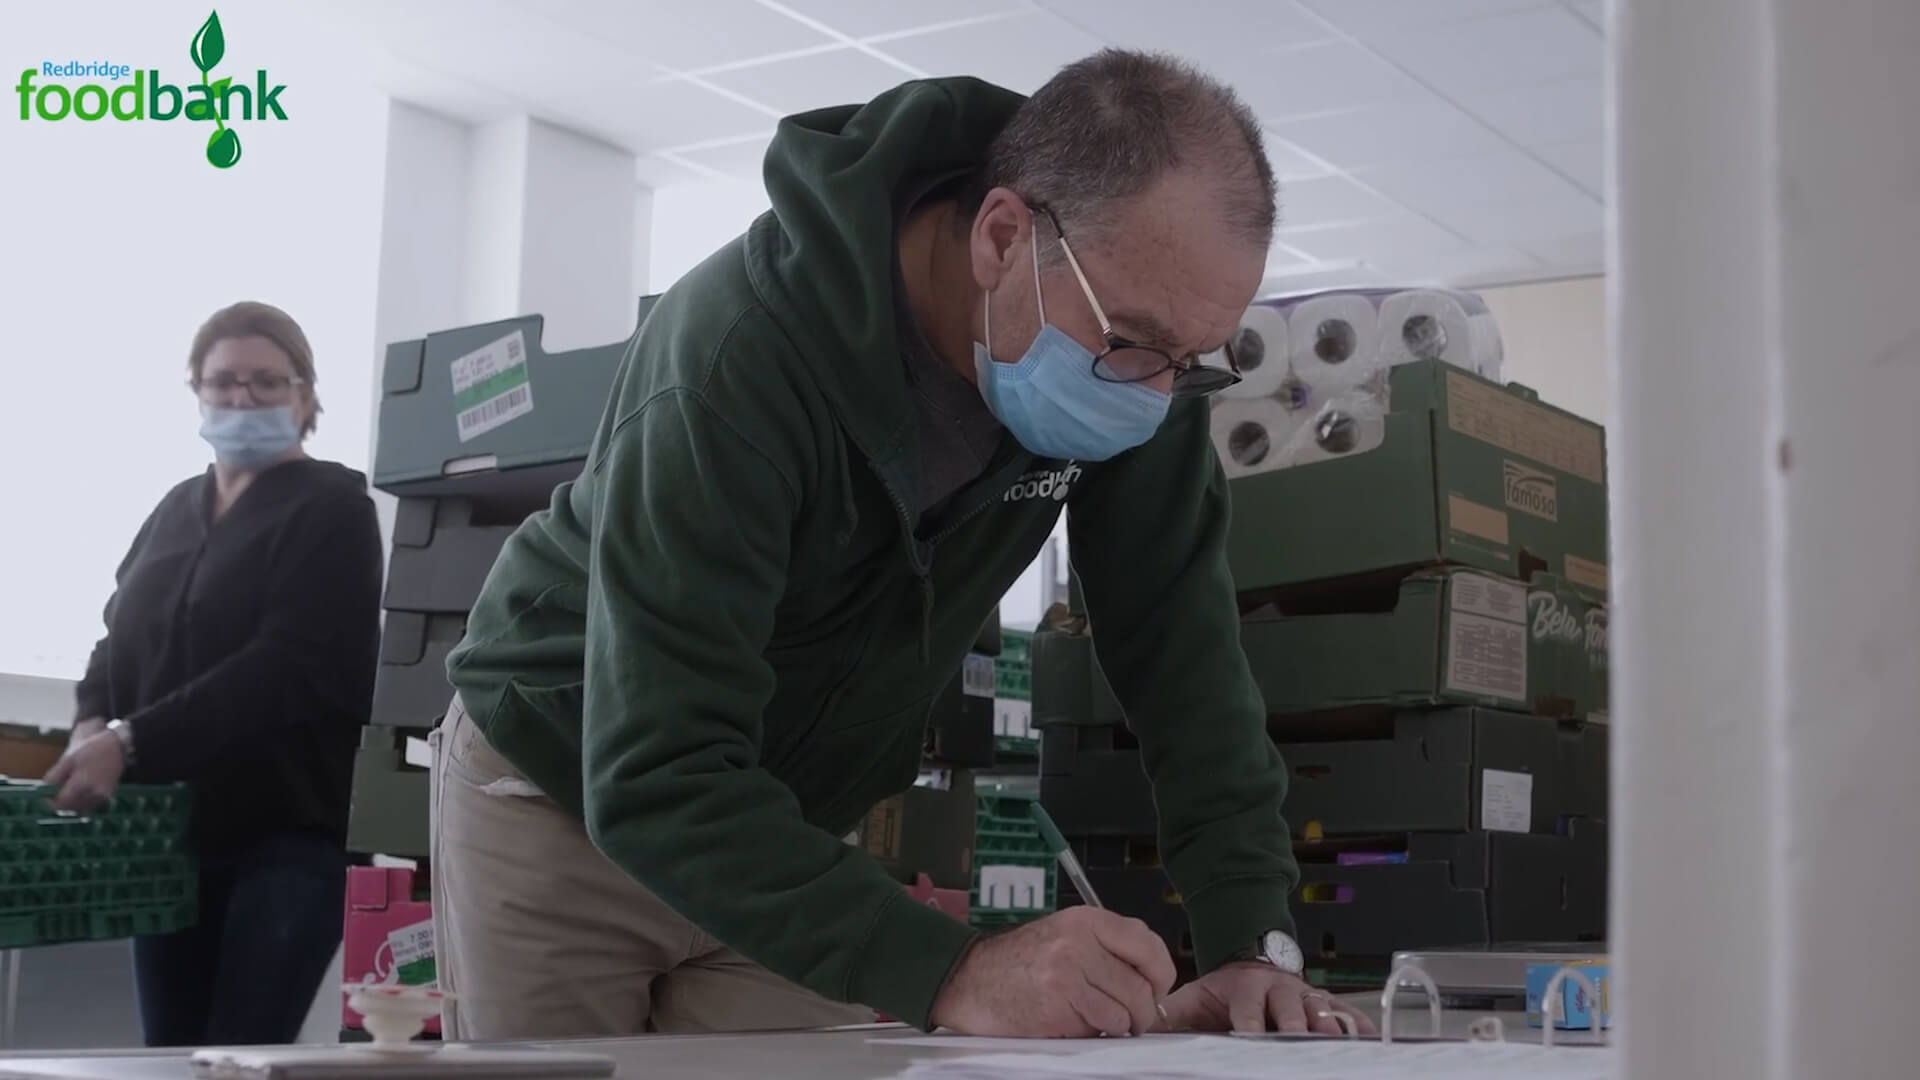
x=721, y=644
x=823, y=258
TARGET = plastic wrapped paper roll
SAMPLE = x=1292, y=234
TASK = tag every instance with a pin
x=1489, y=352
x=1334, y=339
x=1260, y=348
x=1428, y=324
x=1249, y=434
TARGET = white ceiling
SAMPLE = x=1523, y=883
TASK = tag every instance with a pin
x=1452, y=140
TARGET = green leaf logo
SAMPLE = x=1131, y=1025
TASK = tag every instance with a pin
x=223, y=148
x=209, y=45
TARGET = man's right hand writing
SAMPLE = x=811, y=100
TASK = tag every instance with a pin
x=1074, y=974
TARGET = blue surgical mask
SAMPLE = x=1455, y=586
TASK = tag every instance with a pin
x=1055, y=405
x=249, y=438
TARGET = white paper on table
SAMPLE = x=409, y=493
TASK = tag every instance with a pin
x=1216, y=1058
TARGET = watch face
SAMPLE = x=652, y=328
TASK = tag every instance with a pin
x=1283, y=952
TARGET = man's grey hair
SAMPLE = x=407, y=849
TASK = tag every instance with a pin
x=1108, y=127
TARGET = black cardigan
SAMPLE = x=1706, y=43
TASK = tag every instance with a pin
x=242, y=651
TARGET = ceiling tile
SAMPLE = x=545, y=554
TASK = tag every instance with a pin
x=1383, y=243
x=1541, y=45
x=1521, y=225
x=1594, y=11
x=491, y=45
x=1288, y=162
x=1392, y=135
x=1476, y=267
x=1019, y=53
x=1493, y=180
x=1317, y=78
x=744, y=160
x=1572, y=251
x=1196, y=31
x=665, y=114
x=1573, y=110
x=1584, y=162
x=657, y=172
x=1329, y=200
x=680, y=35
x=841, y=77
x=1365, y=17
x=869, y=18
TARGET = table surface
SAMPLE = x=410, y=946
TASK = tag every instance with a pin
x=852, y=1054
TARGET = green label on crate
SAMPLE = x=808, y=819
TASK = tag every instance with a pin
x=412, y=948
x=490, y=386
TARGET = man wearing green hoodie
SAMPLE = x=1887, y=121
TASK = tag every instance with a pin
x=819, y=471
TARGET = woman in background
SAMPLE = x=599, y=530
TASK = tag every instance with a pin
x=239, y=658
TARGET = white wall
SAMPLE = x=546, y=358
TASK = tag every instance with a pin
x=120, y=240
x=1556, y=339
x=691, y=220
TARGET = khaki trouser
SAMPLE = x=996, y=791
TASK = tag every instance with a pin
x=539, y=936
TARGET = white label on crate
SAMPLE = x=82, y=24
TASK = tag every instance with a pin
x=976, y=676
x=1506, y=801
x=490, y=386
x=1013, y=888
x=419, y=753
x=412, y=947
x=1487, y=657
x=1013, y=718
x=1477, y=594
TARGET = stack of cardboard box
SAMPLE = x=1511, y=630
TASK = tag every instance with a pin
x=1427, y=622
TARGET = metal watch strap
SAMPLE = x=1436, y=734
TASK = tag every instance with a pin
x=124, y=732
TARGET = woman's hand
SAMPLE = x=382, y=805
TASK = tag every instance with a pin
x=86, y=729
x=88, y=773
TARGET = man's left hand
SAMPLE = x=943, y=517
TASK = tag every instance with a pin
x=88, y=773
x=1250, y=996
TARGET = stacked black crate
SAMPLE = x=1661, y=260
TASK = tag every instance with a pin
x=476, y=428
x=1426, y=619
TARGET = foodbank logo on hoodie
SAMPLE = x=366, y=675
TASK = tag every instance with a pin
x=90, y=91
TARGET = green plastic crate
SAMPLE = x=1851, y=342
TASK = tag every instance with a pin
x=124, y=870
x=1013, y=680
x=1016, y=647
x=1014, y=737
x=1005, y=835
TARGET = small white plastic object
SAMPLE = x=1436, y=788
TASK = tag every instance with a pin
x=394, y=1014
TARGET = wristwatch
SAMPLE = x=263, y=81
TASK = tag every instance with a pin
x=1277, y=948
x=124, y=732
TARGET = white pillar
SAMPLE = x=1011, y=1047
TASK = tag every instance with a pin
x=512, y=217
x=551, y=231
x=1767, y=536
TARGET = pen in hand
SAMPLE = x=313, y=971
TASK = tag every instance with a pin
x=1070, y=865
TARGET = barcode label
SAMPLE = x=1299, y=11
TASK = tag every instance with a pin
x=491, y=414
x=976, y=676
x=490, y=386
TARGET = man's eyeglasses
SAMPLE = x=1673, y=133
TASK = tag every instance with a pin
x=1127, y=361
x=261, y=387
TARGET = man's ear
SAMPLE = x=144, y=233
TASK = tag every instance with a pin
x=1001, y=230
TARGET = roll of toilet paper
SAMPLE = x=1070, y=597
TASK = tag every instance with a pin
x=1489, y=352
x=1427, y=324
x=1249, y=434
x=1260, y=348
x=1343, y=425
x=1334, y=339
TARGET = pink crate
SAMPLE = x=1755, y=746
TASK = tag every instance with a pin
x=389, y=934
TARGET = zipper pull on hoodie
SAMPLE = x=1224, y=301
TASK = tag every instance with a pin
x=926, y=619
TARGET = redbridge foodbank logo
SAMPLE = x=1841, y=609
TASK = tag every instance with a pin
x=133, y=94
